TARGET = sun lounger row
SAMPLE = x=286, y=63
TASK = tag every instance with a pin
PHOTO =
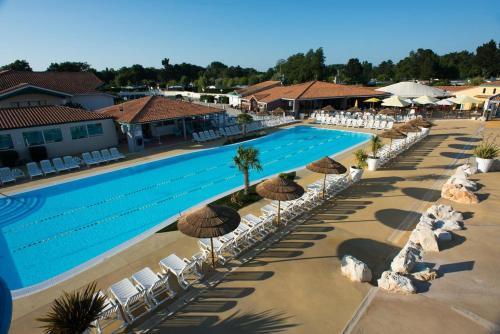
x=8, y=175
x=69, y=163
x=357, y=123
x=391, y=151
x=204, y=136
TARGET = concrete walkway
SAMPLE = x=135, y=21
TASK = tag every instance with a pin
x=295, y=285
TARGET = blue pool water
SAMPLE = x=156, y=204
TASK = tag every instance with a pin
x=48, y=231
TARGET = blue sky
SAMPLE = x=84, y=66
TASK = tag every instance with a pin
x=115, y=33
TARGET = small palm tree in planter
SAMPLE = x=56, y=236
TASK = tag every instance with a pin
x=247, y=158
x=485, y=154
x=244, y=119
x=75, y=312
x=357, y=170
x=375, y=145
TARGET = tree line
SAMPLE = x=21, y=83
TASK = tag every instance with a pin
x=422, y=64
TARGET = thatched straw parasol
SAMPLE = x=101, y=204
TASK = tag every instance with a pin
x=326, y=166
x=354, y=109
x=262, y=113
x=209, y=221
x=407, y=127
x=387, y=111
x=421, y=123
x=278, y=111
x=328, y=108
x=280, y=189
x=392, y=134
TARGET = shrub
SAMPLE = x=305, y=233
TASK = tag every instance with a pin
x=360, y=156
x=207, y=98
x=288, y=176
x=38, y=153
x=223, y=99
x=9, y=158
x=487, y=150
x=375, y=145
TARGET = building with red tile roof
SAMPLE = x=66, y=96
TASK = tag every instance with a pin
x=25, y=88
x=153, y=117
x=61, y=130
x=308, y=96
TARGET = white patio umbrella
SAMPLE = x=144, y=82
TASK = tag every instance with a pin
x=444, y=102
x=413, y=89
x=395, y=101
x=425, y=99
x=464, y=99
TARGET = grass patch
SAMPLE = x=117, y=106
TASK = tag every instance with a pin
x=236, y=200
x=234, y=140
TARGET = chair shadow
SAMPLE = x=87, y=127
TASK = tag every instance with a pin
x=285, y=244
x=227, y=292
x=304, y=236
x=455, y=267
x=248, y=276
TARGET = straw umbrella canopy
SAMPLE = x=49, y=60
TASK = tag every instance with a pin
x=326, y=166
x=421, y=123
x=407, y=127
x=262, y=113
x=387, y=111
x=279, y=189
x=392, y=134
x=328, y=108
x=277, y=111
x=354, y=109
x=209, y=221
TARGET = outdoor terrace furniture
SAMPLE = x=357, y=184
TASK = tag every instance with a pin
x=70, y=162
x=59, y=165
x=156, y=286
x=202, y=136
x=213, y=134
x=223, y=251
x=116, y=154
x=107, y=315
x=96, y=155
x=47, y=167
x=6, y=175
x=196, y=138
x=106, y=155
x=181, y=268
x=33, y=169
x=88, y=159
x=130, y=298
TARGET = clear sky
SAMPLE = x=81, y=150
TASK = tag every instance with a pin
x=256, y=33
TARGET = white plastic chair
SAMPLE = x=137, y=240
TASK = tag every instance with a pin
x=181, y=268
x=130, y=298
x=155, y=285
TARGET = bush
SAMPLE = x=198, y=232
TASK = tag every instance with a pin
x=487, y=150
x=223, y=99
x=207, y=98
x=360, y=157
x=38, y=153
x=288, y=176
x=179, y=97
x=9, y=158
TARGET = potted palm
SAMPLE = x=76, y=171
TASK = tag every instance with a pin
x=485, y=154
x=375, y=145
x=356, y=170
x=74, y=312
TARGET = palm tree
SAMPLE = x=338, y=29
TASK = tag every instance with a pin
x=375, y=145
x=247, y=158
x=243, y=119
x=75, y=312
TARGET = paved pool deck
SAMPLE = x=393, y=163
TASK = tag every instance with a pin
x=295, y=286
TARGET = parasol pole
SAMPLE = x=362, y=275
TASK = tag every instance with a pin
x=324, y=186
x=212, y=249
x=279, y=211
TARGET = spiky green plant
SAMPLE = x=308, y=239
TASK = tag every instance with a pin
x=488, y=149
x=247, y=158
x=74, y=312
x=360, y=157
x=375, y=145
x=243, y=119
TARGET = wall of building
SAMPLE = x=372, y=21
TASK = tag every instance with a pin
x=67, y=146
x=93, y=101
x=32, y=99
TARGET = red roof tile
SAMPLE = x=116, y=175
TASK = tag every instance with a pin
x=26, y=117
x=155, y=108
x=73, y=83
x=453, y=88
x=253, y=89
x=314, y=90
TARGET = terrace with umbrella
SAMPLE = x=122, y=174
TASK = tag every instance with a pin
x=326, y=166
x=280, y=189
x=210, y=221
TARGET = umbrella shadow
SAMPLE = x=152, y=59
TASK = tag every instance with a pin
x=423, y=194
x=394, y=217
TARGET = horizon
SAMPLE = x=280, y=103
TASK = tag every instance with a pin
x=76, y=38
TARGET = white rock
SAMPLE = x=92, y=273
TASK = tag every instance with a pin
x=426, y=221
x=449, y=225
x=465, y=171
x=355, y=269
x=427, y=239
x=414, y=237
x=424, y=273
x=407, y=258
x=445, y=212
x=482, y=119
x=442, y=235
x=396, y=283
x=463, y=181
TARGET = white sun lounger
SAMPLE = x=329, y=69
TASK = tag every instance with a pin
x=181, y=268
x=156, y=287
x=70, y=163
x=129, y=297
x=107, y=315
x=6, y=175
x=116, y=154
x=47, y=167
x=88, y=160
x=59, y=165
x=106, y=155
x=33, y=169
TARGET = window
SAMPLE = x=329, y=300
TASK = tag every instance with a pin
x=52, y=135
x=6, y=142
x=95, y=129
x=33, y=138
x=78, y=132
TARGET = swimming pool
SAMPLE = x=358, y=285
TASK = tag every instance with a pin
x=46, y=232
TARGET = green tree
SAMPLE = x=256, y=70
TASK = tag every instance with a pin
x=247, y=158
x=17, y=65
x=74, y=312
x=384, y=71
x=243, y=119
x=488, y=59
x=70, y=66
x=354, y=71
